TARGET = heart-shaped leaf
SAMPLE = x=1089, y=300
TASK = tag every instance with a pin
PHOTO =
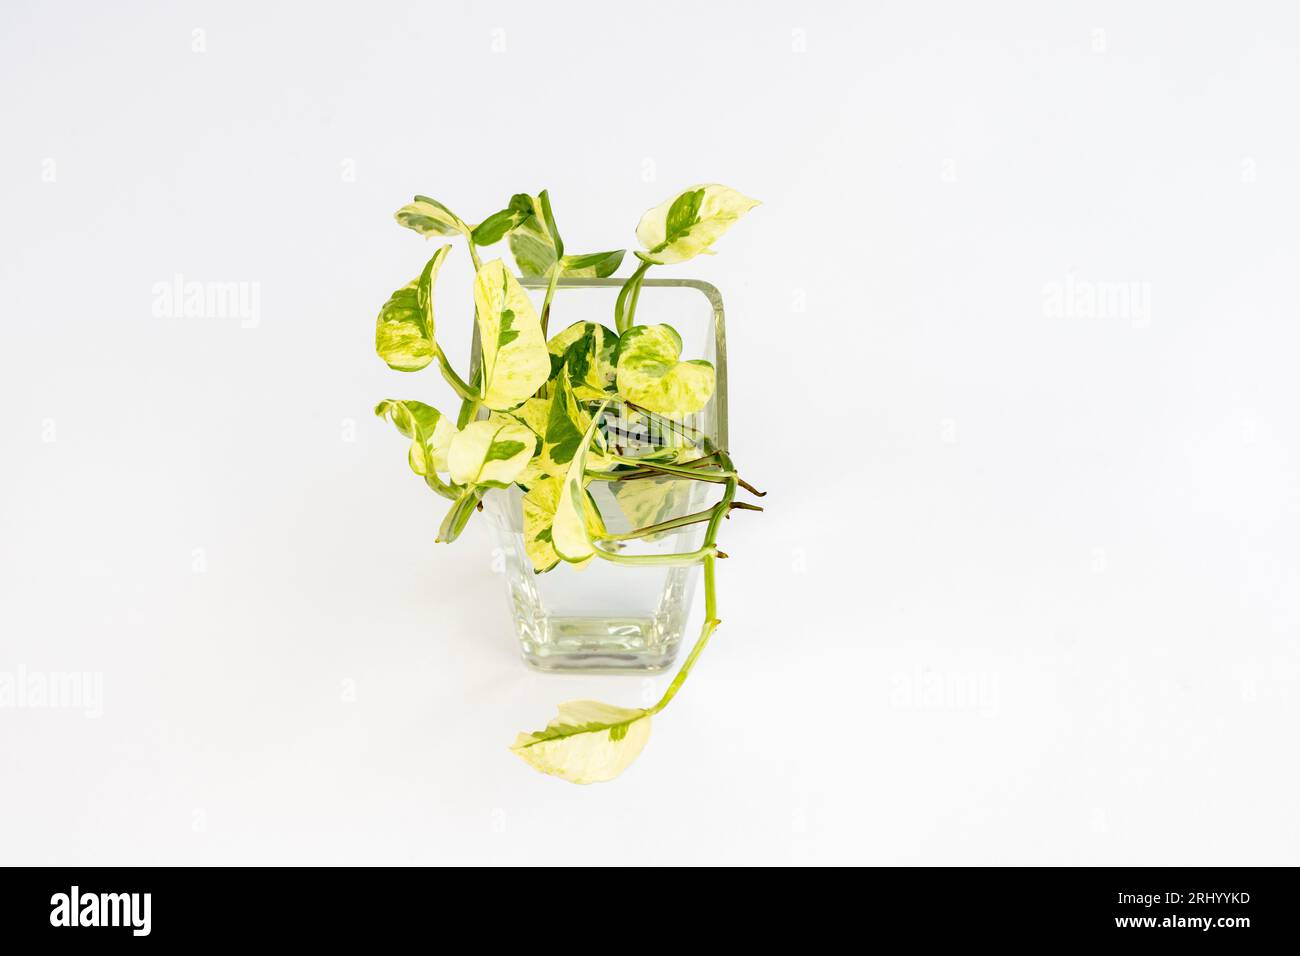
x=690, y=222
x=650, y=375
x=588, y=742
x=515, y=361
x=490, y=454
x=430, y=432
x=429, y=217
x=404, y=332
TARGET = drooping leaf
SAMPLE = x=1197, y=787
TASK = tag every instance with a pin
x=651, y=375
x=404, y=332
x=429, y=217
x=430, y=432
x=588, y=742
x=515, y=361
x=577, y=519
x=587, y=350
x=689, y=223
x=490, y=454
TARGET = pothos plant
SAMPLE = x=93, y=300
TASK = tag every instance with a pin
x=533, y=414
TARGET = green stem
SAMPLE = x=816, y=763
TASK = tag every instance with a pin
x=710, y=625
x=473, y=250
x=623, y=308
x=680, y=559
x=668, y=525
x=715, y=477
x=711, y=621
x=550, y=293
x=458, y=384
x=440, y=486
x=685, y=430
x=643, y=471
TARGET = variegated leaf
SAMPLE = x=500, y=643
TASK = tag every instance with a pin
x=430, y=432
x=404, y=332
x=588, y=742
x=429, y=217
x=577, y=519
x=689, y=223
x=515, y=361
x=540, y=502
x=651, y=375
x=490, y=454
x=586, y=349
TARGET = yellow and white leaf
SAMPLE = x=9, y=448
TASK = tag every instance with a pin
x=650, y=375
x=690, y=222
x=515, y=361
x=490, y=453
x=588, y=742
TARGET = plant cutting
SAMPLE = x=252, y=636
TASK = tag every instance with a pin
x=563, y=420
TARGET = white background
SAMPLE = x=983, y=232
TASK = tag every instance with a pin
x=1026, y=591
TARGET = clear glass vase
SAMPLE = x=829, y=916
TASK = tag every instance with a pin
x=603, y=616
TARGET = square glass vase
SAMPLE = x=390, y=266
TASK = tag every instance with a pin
x=605, y=617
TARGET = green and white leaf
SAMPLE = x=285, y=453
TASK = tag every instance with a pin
x=689, y=223
x=587, y=351
x=651, y=375
x=588, y=742
x=429, y=217
x=515, y=361
x=404, y=332
x=430, y=432
x=490, y=454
